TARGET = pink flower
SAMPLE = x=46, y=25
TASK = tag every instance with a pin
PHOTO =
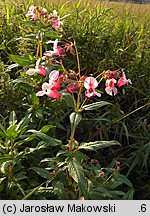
x=44, y=12
x=39, y=70
x=54, y=75
x=57, y=50
x=123, y=81
x=49, y=90
x=57, y=24
x=90, y=84
x=32, y=12
x=82, y=198
x=72, y=88
x=63, y=77
x=110, y=86
x=53, y=80
x=54, y=15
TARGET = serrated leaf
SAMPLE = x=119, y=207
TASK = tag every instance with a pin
x=95, y=105
x=75, y=118
x=92, y=146
x=12, y=118
x=41, y=172
x=77, y=173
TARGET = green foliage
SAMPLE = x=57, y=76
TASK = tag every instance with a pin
x=34, y=159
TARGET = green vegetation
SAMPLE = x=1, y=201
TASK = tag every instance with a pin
x=108, y=36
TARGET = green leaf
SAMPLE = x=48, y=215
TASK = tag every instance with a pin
x=12, y=132
x=24, y=122
x=22, y=61
x=60, y=190
x=128, y=195
x=46, y=128
x=95, y=105
x=49, y=140
x=2, y=179
x=35, y=99
x=12, y=118
x=3, y=132
x=77, y=173
x=119, y=179
x=41, y=172
x=32, y=192
x=4, y=158
x=39, y=113
x=52, y=35
x=92, y=146
x=21, y=83
x=75, y=118
x=68, y=99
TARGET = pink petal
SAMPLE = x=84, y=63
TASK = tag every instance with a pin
x=115, y=90
x=54, y=75
x=31, y=71
x=108, y=90
x=90, y=82
x=57, y=24
x=72, y=88
x=91, y=92
x=111, y=91
x=56, y=85
x=54, y=14
x=41, y=70
x=40, y=93
x=53, y=94
x=35, y=15
x=45, y=86
x=110, y=82
x=122, y=81
x=82, y=198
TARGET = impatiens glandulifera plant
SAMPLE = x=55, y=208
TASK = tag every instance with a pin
x=69, y=173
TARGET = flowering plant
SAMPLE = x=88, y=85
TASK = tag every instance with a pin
x=53, y=81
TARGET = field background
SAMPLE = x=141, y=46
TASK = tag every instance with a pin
x=109, y=35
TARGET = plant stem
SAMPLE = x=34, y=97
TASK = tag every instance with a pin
x=37, y=51
x=78, y=62
x=71, y=139
x=41, y=50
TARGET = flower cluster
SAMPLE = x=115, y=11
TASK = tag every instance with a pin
x=52, y=88
x=112, y=82
x=38, y=13
x=70, y=80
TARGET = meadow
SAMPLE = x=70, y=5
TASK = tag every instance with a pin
x=105, y=152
